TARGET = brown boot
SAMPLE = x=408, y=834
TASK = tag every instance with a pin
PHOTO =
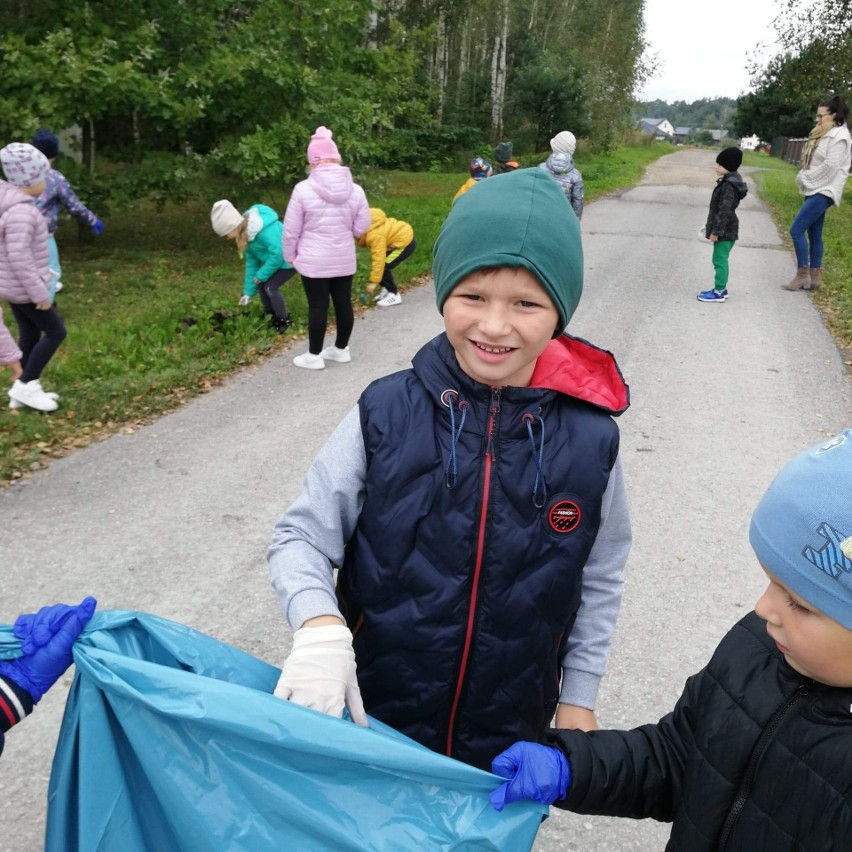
x=800, y=281
x=816, y=279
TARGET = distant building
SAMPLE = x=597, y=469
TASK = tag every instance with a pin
x=659, y=128
x=749, y=143
x=682, y=134
x=719, y=135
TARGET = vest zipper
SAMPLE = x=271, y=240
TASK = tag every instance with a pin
x=493, y=415
x=747, y=783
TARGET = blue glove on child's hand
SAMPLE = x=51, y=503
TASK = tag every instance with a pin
x=97, y=227
x=46, y=641
x=536, y=772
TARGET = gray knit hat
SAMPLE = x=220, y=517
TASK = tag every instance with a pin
x=801, y=530
x=503, y=152
x=520, y=219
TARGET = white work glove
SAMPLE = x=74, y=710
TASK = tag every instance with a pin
x=244, y=300
x=320, y=673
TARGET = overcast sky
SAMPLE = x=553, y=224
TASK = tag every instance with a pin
x=704, y=47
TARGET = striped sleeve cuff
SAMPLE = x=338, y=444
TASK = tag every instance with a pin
x=15, y=703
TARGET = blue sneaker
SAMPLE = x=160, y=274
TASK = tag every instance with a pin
x=713, y=296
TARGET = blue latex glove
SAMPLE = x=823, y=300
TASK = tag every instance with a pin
x=46, y=641
x=536, y=772
x=97, y=227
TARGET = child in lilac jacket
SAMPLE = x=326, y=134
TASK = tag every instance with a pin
x=324, y=214
x=24, y=273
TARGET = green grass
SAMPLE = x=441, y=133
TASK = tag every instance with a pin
x=777, y=187
x=151, y=305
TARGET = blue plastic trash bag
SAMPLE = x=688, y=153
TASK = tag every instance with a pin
x=173, y=740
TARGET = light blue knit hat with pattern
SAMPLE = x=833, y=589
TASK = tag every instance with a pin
x=801, y=530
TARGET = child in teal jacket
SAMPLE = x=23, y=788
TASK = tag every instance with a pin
x=258, y=234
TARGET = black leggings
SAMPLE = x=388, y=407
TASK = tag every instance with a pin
x=387, y=276
x=270, y=293
x=41, y=333
x=318, y=291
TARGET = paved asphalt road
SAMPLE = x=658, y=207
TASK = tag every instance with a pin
x=175, y=518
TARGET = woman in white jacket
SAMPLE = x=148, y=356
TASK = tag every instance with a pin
x=825, y=167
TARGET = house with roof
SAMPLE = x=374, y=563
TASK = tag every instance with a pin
x=659, y=128
x=682, y=134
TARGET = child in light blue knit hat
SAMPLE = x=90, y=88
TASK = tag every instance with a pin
x=757, y=753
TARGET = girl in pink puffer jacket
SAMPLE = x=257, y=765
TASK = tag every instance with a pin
x=324, y=214
x=25, y=273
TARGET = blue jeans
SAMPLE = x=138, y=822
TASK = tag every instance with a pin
x=809, y=220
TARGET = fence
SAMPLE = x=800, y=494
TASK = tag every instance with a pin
x=792, y=150
x=788, y=149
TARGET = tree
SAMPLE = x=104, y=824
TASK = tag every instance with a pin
x=243, y=83
x=815, y=59
x=551, y=97
x=779, y=106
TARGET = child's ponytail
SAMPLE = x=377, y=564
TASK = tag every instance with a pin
x=242, y=236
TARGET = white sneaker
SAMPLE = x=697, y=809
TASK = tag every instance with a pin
x=381, y=294
x=390, y=300
x=58, y=286
x=13, y=403
x=32, y=395
x=332, y=353
x=309, y=362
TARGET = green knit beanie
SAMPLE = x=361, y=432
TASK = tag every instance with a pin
x=503, y=152
x=520, y=219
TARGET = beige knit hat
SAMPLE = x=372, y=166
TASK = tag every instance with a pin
x=564, y=143
x=225, y=217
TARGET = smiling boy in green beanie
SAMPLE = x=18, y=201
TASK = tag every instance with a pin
x=757, y=754
x=474, y=504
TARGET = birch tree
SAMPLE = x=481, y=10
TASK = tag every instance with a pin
x=498, y=72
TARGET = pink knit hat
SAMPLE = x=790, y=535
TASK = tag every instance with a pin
x=322, y=146
x=23, y=164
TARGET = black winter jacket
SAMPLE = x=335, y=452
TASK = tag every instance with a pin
x=722, y=219
x=15, y=703
x=463, y=579
x=754, y=758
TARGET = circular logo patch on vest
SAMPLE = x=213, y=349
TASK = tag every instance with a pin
x=564, y=516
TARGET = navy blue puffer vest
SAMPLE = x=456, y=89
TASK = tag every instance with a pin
x=463, y=578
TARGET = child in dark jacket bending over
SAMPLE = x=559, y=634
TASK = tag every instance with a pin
x=757, y=754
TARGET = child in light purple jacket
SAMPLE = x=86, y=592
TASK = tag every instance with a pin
x=25, y=273
x=324, y=214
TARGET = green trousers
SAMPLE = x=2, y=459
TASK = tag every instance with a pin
x=721, y=250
